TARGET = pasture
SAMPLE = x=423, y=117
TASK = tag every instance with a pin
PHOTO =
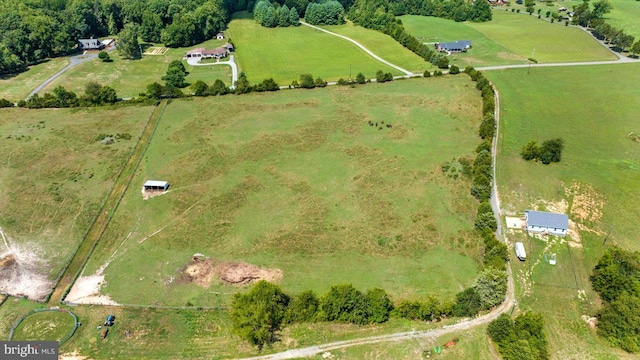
x=48, y=326
x=510, y=39
x=285, y=53
x=131, y=77
x=382, y=45
x=54, y=175
x=16, y=87
x=595, y=183
x=299, y=184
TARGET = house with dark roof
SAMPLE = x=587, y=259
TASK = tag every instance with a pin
x=456, y=46
x=547, y=222
x=90, y=44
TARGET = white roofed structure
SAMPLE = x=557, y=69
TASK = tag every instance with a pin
x=156, y=185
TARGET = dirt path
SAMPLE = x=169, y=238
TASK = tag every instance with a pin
x=407, y=72
x=99, y=225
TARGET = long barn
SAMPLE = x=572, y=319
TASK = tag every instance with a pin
x=546, y=222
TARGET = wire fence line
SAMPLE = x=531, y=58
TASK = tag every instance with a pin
x=76, y=323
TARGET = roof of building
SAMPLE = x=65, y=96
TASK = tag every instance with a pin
x=547, y=219
x=216, y=51
x=228, y=46
x=460, y=44
x=195, y=51
x=156, y=183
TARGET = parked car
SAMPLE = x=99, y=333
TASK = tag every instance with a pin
x=110, y=320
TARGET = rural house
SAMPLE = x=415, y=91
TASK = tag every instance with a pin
x=90, y=44
x=456, y=46
x=229, y=47
x=220, y=36
x=151, y=185
x=546, y=222
x=194, y=53
x=203, y=53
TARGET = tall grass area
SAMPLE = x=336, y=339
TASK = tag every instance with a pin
x=299, y=181
x=596, y=180
x=55, y=173
x=382, y=45
x=131, y=77
x=285, y=53
x=16, y=87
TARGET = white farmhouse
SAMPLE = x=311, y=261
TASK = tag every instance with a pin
x=546, y=222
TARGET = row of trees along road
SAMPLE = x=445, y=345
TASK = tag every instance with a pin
x=593, y=17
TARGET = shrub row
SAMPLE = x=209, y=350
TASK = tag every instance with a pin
x=95, y=95
x=522, y=338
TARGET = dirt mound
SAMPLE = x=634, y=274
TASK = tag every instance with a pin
x=202, y=271
x=7, y=261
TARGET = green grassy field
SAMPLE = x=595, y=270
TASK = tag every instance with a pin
x=510, y=39
x=298, y=181
x=55, y=173
x=17, y=87
x=285, y=53
x=594, y=183
x=382, y=45
x=49, y=325
x=131, y=77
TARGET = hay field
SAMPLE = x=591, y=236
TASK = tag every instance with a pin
x=299, y=184
x=53, y=176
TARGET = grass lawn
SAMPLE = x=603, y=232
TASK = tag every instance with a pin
x=55, y=173
x=285, y=53
x=510, y=39
x=131, y=77
x=382, y=45
x=17, y=87
x=298, y=181
x=48, y=326
x=595, y=183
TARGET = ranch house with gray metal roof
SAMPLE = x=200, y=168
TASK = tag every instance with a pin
x=546, y=222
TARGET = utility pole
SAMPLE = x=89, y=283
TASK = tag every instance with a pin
x=531, y=59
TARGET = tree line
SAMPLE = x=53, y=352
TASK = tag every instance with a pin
x=592, y=17
x=268, y=15
x=616, y=279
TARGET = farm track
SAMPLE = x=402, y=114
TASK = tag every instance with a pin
x=98, y=227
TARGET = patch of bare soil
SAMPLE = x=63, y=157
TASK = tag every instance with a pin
x=202, y=271
x=148, y=194
x=86, y=290
x=586, y=206
x=20, y=271
x=75, y=355
x=591, y=321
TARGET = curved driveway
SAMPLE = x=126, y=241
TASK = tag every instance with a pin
x=231, y=62
x=73, y=61
x=407, y=72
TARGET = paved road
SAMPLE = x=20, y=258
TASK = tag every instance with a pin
x=407, y=72
x=231, y=62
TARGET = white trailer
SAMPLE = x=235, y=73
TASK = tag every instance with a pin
x=520, y=253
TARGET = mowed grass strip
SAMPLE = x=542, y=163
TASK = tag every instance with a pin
x=522, y=33
x=298, y=181
x=55, y=173
x=131, y=77
x=285, y=53
x=382, y=45
x=16, y=87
